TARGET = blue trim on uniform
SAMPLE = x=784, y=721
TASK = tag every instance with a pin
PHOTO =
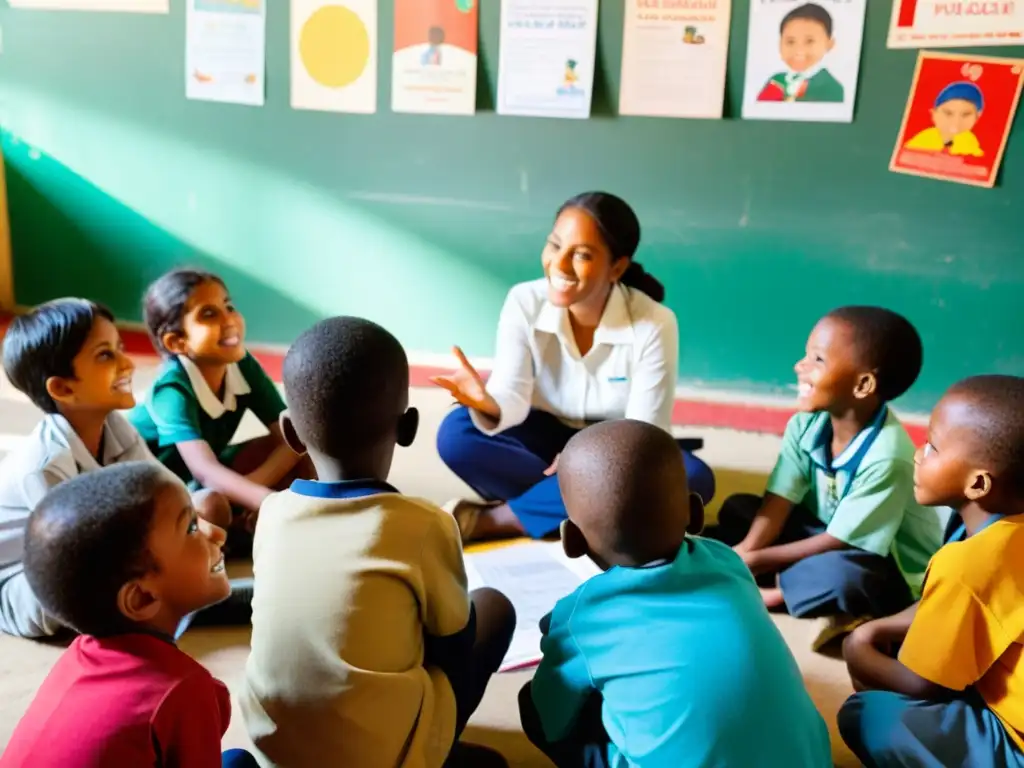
x=343, y=489
x=849, y=461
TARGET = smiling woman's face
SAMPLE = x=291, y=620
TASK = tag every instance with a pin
x=577, y=263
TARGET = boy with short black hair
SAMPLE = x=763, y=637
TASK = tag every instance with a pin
x=805, y=39
x=366, y=648
x=121, y=556
x=628, y=677
x=955, y=693
x=67, y=357
x=838, y=523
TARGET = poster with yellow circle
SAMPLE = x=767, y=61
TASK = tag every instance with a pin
x=334, y=55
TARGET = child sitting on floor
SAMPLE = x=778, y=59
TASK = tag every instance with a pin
x=121, y=556
x=207, y=383
x=66, y=356
x=669, y=657
x=366, y=648
x=955, y=694
x=838, y=523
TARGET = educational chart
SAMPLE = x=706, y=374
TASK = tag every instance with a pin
x=225, y=45
x=534, y=576
x=117, y=6
x=334, y=55
x=944, y=24
x=673, y=58
x=958, y=117
x=803, y=59
x=434, y=61
x=546, y=63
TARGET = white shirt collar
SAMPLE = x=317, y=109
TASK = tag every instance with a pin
x=235, y=385
x=116, y=441
x=615, y=326
x=794, y=79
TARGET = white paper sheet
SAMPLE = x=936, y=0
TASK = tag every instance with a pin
x=225, y=49
x=334, y=55
x=673, y=59
x=119, y=6
x=546, y=58
x=534, y=577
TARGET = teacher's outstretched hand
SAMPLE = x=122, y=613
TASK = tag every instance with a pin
x=467, y=387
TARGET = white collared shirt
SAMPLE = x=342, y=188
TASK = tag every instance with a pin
x=235, y=386
x=52, y=453
x=629, y=372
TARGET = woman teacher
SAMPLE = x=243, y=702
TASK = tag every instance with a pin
x=588, y=342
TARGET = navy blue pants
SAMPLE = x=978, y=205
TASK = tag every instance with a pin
x=885, y=729
x=585, y=747
x=510, y=466
x=238, y=758
x=849, y=581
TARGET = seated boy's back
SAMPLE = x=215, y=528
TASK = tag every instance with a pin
x=689, y=665
x=366, y=648
x=351, y=576
x=673, y=637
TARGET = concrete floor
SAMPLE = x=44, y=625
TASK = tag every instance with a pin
x=740, y=460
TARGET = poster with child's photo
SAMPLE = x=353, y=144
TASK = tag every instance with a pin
x=958, y=117
x=803, y=60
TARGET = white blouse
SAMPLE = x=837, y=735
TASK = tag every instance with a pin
x=630, y=371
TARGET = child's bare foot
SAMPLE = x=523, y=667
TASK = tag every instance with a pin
x=483, y=520
x=772, y=598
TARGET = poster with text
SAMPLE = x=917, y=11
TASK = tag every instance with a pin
x=434, y=61
x=944, y=24
x=674, y=57
x=803, y=59
x=546, y=63
x=225, y=48
x=958, y=117
x=117, y=6
x=334, y=55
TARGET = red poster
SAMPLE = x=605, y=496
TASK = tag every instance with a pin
x=958, y=117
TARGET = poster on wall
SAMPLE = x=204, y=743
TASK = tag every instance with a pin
x=334, y=55
x=117, y=6
x=674, y=57
x=803, y=59
x=225, y=46
x=434, y=61
x=546, y=63
x=943, y=24
x=958, y=117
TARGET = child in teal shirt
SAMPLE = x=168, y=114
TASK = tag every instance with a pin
x=668, y=659
x=207, y=383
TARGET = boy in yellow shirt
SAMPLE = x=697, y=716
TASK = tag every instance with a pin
x=367, y=650
x=955, y=693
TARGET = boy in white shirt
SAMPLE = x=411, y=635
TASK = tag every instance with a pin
x=66, y=356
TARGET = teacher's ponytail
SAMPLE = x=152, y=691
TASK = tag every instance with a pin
x=620, y=228
x=637, y=277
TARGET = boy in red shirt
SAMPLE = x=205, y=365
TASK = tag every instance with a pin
x=121, y=556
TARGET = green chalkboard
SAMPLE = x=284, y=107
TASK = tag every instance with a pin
x=423, y=222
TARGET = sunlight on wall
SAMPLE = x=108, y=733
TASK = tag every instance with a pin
x=329, y=256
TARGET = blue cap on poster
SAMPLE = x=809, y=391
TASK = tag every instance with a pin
x=962, y=91
x=464, y=5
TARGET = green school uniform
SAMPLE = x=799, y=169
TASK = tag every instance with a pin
x=874, y=508
x=181, y=408
x=821, y=87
